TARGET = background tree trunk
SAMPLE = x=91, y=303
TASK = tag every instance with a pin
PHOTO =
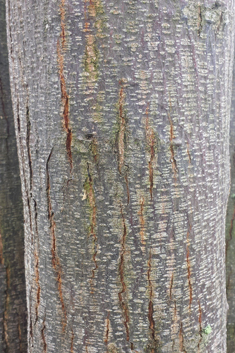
x=13, y=328
x=122, y=121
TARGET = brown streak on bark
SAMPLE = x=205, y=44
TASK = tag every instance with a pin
x=122, y=129
x=122, y=279
x=43, y=336
x=55, y=259
x=6, y=310
x=107, y=329
x=65, y=104
x=38, y=286
x=72, y=338
x=150, y=143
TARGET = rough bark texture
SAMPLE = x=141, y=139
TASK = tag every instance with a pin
x=13, y=328
x=122, y=120
x=230, y=231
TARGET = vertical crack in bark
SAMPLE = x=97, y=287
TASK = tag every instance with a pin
x=171, y=284
x=64, y=94
x=173, y=161
x=106, y=340
x=150, y=312
x=62, y=23
x=89, y=188
x=43, y=335
x=55, y=259
x=37, y=285
x=21, y=151
x=72, y=338
x=6, y=310
x=122, y=129
x=154, y=340
x=189, y=269
x=28, y=146
x=142, y=224
x=200, y=325
x=122, y=293
x=30, y=316
x=150, y=138
x=199, y=21
x=188, y=153
x=181, y=339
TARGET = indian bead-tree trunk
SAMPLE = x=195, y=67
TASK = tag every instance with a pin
x=230, y=228
x=122, y=115
x=13, y=327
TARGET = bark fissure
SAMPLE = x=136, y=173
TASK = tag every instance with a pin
x=122, y=129
x=37, y=286
x=64, y=94
x=90, y=194
x=122, y=293
x=55, y=259
x=43, y=336
x=150, y=138
x=28, y=147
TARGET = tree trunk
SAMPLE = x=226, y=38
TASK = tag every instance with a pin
x=13, y=328
x=230, y=241
x=122, y=121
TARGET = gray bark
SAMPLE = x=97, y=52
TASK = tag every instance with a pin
x=122, y=121
x=13, y=328
x=230, y=244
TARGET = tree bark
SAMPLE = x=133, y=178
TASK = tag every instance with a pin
x=230, y=251
x=13, y=327
x=122, y=120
